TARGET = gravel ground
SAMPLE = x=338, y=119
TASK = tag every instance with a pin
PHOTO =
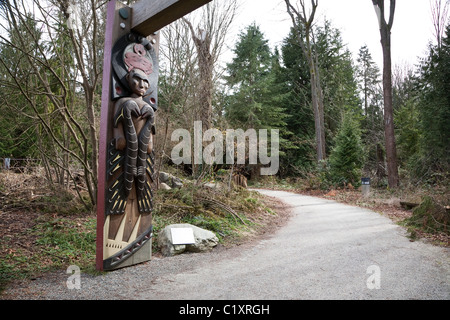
x=327, y=250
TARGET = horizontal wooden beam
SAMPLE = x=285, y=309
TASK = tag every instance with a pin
x=149, y=16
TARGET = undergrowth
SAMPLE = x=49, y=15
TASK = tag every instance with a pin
x=56, y=231
x=60, y=232
x=429, y=216
x=228, y=212
x=54, y=242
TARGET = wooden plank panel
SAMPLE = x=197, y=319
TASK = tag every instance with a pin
x=112, y=33
x=149, y=16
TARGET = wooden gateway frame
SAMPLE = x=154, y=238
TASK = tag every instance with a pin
x=129, y=103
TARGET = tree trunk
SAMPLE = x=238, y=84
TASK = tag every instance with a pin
x=206, y=67
x=391, y=149
x=303, y=22
x=317, y=104
x=206, y=88
x=380, y=173
x=389, y=135
x=92, y=180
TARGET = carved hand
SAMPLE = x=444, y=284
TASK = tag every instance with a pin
x=147, y=111
x=133, y=107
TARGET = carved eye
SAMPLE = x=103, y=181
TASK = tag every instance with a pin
x=139, y=49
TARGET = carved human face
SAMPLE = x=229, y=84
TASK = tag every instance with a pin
x=138, y=82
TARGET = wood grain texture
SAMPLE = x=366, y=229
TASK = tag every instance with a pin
x=149, y=16
x=112, y=32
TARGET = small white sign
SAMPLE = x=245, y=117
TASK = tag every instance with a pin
x=182, y=235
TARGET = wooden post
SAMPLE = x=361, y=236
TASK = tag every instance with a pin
x=112, y=33
x=150, y=16
x=144, y=19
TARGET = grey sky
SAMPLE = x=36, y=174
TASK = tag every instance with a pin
x=411, y=32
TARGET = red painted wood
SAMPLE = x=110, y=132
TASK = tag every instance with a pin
x=106, y=94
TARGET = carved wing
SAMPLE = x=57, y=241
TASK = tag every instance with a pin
x=116, y=199
x=145, y=202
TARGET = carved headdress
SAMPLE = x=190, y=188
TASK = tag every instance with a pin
x=137, y=59
x=133, y=52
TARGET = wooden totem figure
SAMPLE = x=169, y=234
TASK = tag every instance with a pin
x=127, y=128
x=129, y=158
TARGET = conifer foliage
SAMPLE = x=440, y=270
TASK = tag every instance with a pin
x=347, y=157
x=251, y=80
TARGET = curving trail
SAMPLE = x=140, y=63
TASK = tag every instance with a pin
x=327, y=250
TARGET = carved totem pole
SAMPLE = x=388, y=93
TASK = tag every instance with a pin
x=127, y=128
x=129, y=159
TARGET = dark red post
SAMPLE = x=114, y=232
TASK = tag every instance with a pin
x=110, y=17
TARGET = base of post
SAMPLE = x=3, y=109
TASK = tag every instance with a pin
x=144, y=254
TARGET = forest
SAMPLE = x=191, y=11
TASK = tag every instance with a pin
x=340, y=117
x=327, y=104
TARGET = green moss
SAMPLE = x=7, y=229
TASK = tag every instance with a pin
x=429, y=216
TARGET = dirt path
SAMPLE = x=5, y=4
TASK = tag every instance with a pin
x=327, y=250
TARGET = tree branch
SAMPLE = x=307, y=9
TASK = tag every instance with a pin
x=391, y=14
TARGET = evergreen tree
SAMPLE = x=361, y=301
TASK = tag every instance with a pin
x=408, y=131
x=339, y=91
x=18, y=130
x=347, y=157
x=407, y=118
x=255, y=102
x=369, y=81
x=249, y=80
x=294, y=89
x=434, y=109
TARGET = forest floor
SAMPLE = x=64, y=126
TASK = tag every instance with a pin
x=44, y=229
x=29, y=210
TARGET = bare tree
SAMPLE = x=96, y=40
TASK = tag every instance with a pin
x=303, y=22
x=68, y=129
x=439, y=15
x=87, y=41
x=177, y=85
x=385, y=32
x=209, y=39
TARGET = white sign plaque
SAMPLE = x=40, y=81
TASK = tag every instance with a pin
x=182, y=235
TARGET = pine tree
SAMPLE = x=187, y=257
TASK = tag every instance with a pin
x=255, y=101
x=369, y=78
x=293, y=79
x=434, y=110
x=339, y=91
x=252, y=103
x=369, y=81
x=347, y=157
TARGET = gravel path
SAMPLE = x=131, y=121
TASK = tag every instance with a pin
x=326, y=251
